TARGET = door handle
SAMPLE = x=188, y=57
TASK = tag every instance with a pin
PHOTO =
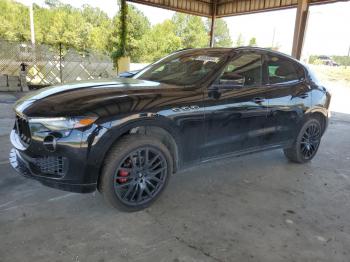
x=303, y=95
x=258, y=100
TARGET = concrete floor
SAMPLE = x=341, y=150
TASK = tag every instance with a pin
x=253, y=208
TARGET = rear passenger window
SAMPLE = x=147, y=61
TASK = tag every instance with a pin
x=282, y=70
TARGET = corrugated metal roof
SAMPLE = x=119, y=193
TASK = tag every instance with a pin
x=226, y=7
x=195, y=7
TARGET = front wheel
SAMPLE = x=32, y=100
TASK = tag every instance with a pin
x=136, y=171
x=307, y=142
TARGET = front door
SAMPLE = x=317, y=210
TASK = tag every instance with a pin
x=235, y=108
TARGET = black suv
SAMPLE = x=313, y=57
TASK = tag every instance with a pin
x=127, y=136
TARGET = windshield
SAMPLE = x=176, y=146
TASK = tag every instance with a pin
x=184, y=68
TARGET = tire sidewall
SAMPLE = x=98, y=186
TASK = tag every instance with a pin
x=117, y=155
x=300, y=156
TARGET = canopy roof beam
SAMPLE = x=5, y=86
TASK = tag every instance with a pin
x=226, y=7
x=300, y=27
x=212, y=27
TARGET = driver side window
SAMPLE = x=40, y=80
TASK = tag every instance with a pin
x=245, y=70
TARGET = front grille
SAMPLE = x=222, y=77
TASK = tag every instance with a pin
x=22, y=129
x=51, y=165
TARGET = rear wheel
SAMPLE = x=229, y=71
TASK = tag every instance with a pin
x=136, y=171
x=306, y=145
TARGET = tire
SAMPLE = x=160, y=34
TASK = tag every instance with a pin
x=135, y=173
x=307, y=142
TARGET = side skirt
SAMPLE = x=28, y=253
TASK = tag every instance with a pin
x=248, y=151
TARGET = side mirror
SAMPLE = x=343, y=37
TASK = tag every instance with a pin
x=128, y=74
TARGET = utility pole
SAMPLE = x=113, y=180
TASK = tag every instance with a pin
x=273, y=37
x=24, y=66
x=31, y=18
x=348, y=56
x=61, y=58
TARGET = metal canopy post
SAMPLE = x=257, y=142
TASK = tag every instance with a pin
x=212, y=27
x=300, y=27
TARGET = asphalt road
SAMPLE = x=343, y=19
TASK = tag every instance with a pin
x=258, y=207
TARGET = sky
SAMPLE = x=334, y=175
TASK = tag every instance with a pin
x=328, y=29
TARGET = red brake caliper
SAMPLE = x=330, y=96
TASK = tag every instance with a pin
x=123, y=173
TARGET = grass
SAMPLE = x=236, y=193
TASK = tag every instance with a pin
x=333, y=73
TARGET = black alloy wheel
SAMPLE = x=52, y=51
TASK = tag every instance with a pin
x=306, y=143
x=140, y=176
x=310, y=141
x=136, y=171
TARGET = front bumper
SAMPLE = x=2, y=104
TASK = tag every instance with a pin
x=24, y=167
x=70, y=167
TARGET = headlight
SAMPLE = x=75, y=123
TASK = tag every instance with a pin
x=63, y=123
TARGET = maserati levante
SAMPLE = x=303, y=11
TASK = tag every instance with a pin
x=126, y=136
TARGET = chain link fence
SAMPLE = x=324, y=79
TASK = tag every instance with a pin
x=47, y=65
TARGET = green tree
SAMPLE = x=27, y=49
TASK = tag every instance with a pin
x=14, y=21
x=138, y=25
x=191, y=30
x=342, y=60
x=66, y=26
x=160, y=41
x=80, y=28
x=99, y=28
x=91, y=28
x=252, y=42
x=222, y=36
x=53, y=3
x=87, y=28
x=239, y=40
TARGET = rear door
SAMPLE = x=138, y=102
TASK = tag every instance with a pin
x=288, y=98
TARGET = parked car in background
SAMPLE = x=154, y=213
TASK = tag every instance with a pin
x=127, y=136
x=326, y=60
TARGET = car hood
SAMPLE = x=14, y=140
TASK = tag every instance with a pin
x=88, y=97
